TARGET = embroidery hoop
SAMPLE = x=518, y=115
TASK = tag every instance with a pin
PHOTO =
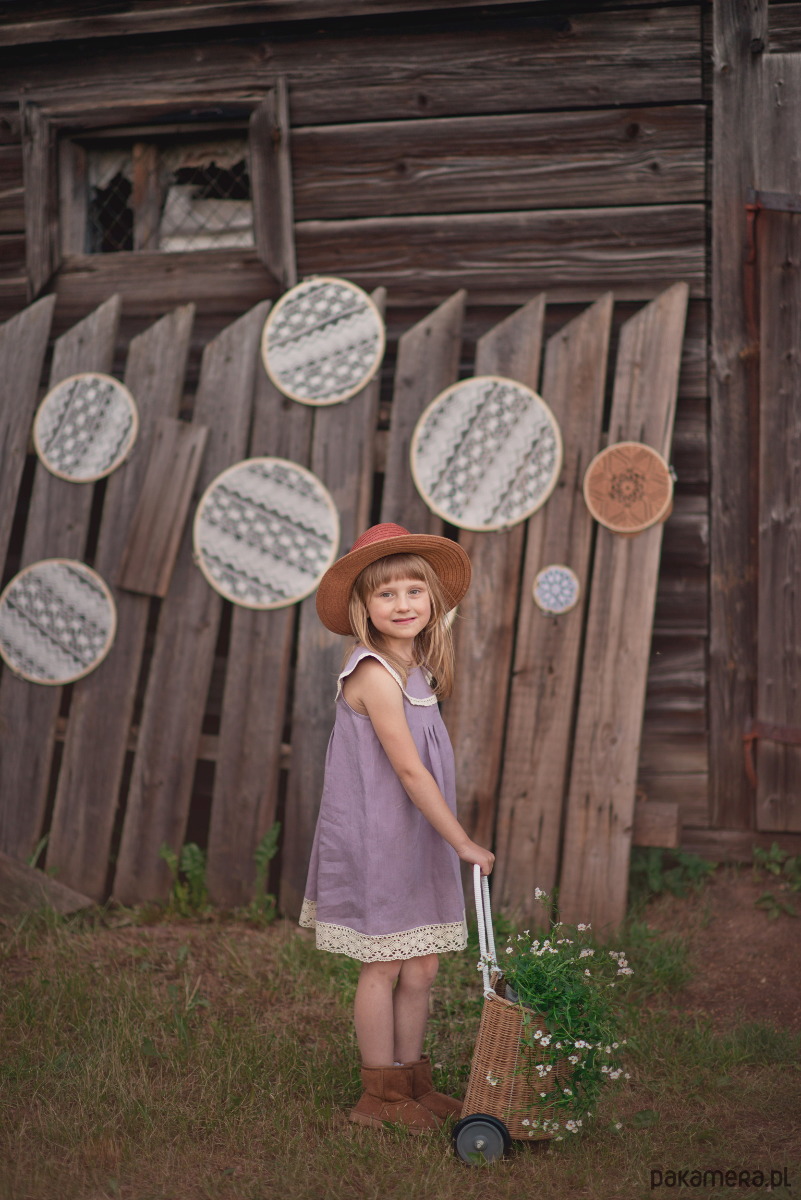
x=110, y=426
x=552, y=579
x=282, y=327
x=48, y=569
x=456, y=455
x=628, y=487
x=315, y=516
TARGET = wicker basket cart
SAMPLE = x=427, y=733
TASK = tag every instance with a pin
x=503, y=1090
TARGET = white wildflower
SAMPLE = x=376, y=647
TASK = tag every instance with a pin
x=538, y=893
x=573, y=1058
x=614, y=1045
x=618, y=1125
x=583, y=927
x=543, y=1094
x=492, y=1080
x=510, y=949
x=586, y=953
x=525, y=1121
x=567, y=1091
x=587, y=972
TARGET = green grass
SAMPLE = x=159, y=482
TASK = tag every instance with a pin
x=211, y=1059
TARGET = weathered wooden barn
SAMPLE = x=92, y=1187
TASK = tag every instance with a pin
x=534, y=189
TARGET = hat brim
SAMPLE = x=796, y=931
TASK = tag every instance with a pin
x=448, y=560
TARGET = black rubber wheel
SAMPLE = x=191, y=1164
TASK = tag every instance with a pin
x=480, y=1138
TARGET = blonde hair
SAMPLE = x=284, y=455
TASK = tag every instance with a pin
x=433, y=648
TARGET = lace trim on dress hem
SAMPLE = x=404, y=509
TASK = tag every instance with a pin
x=384, y=947
x=420, y=701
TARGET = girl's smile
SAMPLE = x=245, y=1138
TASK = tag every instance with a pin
x=399, y=610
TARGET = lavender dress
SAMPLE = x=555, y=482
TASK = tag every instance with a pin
x=383, y=884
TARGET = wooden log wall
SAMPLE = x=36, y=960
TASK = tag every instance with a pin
x=510, y=155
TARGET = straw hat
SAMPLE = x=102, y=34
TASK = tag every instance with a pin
x=448, y=560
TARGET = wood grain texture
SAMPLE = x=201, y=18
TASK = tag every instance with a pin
x=183, y=655
x=271, y=185
x=23, y=341
x=735, y=845
x=589, y=60
x=597, y=840
x=41, y=206
x=254, y=705
x=154, y=535
x=426, y=363
x=12, y=192
x=58, y=521
x=532, y=160
x=342, y=457
x=97, y=734
x=688, y=790
x=24, y=889
x=476, y=714
x=656, y=823
x=732, y=601
x=545, y=667
x=778, y=698
x=571, y=254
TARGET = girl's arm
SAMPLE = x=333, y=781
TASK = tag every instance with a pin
x=372, y=688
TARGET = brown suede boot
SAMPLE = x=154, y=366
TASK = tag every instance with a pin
x=438, y=1103
x=388, y=1097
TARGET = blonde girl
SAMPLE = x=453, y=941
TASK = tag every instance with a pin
x=384, y=883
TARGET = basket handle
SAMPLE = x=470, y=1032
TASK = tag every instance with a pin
x=486, y=936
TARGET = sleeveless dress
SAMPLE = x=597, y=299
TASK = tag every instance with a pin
x=382, y=883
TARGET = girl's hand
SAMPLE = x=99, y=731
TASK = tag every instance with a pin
x=477, y=855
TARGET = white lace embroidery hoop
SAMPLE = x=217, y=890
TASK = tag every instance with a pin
x=486, y=453
x=323, y=341
x=57, y=621
x=265, y=532
x=556, y=589
x=85, y=427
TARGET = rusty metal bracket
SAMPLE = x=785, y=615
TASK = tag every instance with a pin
x=754, y=730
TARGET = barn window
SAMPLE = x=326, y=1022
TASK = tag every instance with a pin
x=168, y=195
x=209, y=177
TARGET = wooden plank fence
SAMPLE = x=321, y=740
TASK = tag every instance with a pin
x=192, y=680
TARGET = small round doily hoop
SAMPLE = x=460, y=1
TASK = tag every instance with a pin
x=556, y=590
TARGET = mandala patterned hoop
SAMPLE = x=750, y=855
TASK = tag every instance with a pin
x=85, y=427
x=486, y=453
x=57, y=621
x=323, y=341
x=556, y=589
x=265, y=532
x=628, y=487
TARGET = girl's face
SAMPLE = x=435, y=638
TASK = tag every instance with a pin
x=399, y=610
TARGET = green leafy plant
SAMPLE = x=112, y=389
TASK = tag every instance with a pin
x=565, y=984
x=262, y=907
x=785, y=869
x=188, y=894
x=654, y=871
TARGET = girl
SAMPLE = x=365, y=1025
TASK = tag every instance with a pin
x=384, y=882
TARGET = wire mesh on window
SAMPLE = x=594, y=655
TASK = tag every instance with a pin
x=184, y=196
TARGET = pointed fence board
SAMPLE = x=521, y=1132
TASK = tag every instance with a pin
x=24, y=889
x=183, y=655
x=102, y=703
x=778, y=698
x=57, y=525
x=546, y=659
x=158, y=522
x=427, y=362
x=342, y=457
x=600, y=805
x=247, y=773
x=476, y=713
x=23, y=341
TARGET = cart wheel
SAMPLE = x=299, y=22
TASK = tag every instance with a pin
x=480, y=1138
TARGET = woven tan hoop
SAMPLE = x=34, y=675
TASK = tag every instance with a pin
x=323, y=341
x=628, y=487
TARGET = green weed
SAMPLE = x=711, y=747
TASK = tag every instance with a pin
x=654, y=871
x=785, y=869
x=188, y=895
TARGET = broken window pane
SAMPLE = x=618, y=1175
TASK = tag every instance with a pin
x=169, y=196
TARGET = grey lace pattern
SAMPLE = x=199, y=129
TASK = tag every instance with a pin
x=85, y=427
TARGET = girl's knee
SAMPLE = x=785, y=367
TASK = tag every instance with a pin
x=420, y=972
x=385, y=972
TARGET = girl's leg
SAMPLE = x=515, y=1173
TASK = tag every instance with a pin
x=411, y=1000
x=373, y=1013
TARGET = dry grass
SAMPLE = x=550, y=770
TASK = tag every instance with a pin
x=208, y=1059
